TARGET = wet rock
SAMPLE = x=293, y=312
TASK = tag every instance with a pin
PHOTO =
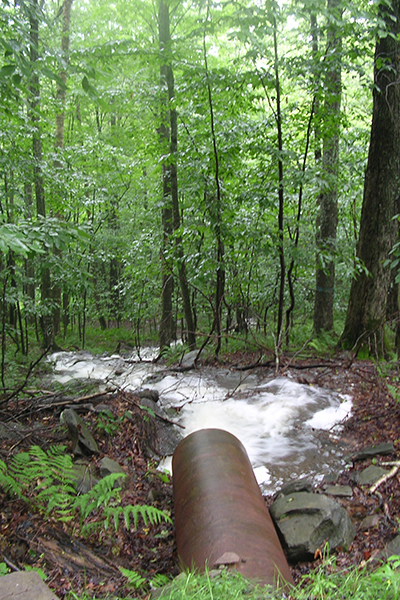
x=331, y=477
x=82, y=440
x=298, y=485
x=158, y=436
x=12, y=431
x=341, y=491
x=371, y=451
x=369, y=522
x=109, y=466
x=84, y=477
x=189, y=360
x=370, y=475
x=24, y=585
x=307, y=521
x=393, y=547
x=146, y=393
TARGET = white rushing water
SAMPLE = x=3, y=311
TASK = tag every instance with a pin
x=288, y=429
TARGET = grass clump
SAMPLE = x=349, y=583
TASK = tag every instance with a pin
x=325, y=583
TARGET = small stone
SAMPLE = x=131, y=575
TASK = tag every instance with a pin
x=369, y=522
x=371, y=451
x=393, y=547
x=370, y=475
x=227, y=558
x=331, y=477
x=189, y=360
x=298, y=485
x=341, y=491
x=108, y=466
x=146, y=393
x=306, y=522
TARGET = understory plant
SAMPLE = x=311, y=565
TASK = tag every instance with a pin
x=46, y=481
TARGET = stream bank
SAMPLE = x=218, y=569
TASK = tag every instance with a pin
x=28, y=538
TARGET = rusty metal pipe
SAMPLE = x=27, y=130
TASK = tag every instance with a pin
x=220, y=515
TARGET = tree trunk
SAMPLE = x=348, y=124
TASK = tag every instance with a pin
x=328, y=211
x=166, y=331
x=59, y=145
x=46, y=320
x=216, y=215
x=378, y=230
x=171, y=212
x=281, y=249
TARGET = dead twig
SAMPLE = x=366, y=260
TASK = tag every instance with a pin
x=30, y=369
x=389, y=475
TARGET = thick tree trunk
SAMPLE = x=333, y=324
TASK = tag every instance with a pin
x=171, y=213
x=378, y=231
x=328, y=211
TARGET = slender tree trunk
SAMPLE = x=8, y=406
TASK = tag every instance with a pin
x=46, y=320
x=281, y=249
x=366, y=311
x=217, y=219
x=59, y=145
x=328, y=213
x=166, y=331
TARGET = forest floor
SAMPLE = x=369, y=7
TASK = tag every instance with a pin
x=77, y=560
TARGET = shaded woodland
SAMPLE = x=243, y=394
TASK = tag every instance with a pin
x=201, y=171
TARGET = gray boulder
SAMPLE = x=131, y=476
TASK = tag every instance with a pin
x=307, y=521
x=24, y=585
x=82, y=440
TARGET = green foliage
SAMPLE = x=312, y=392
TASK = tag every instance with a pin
x=135, y=580
x=326, y=582
x=108, y=422
x=46, y=481
x=103, y=186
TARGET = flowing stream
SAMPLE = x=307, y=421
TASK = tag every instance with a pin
x=289, y=430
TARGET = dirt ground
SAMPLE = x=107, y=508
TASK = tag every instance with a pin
x=73, y=561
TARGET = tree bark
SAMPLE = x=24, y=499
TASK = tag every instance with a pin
x=328, y=211
x=378, y=230
x=171, y=212
x=59, y=145
x=216, y=215
x=46, y=320
x=166, y=331
x=281, y=248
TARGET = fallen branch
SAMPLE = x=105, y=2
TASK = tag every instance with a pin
x=389, y=475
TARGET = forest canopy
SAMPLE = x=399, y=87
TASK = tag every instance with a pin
x=192, y=169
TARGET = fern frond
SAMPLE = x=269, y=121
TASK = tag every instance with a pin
x=133, y=577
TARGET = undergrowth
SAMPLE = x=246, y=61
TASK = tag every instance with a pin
x=46, y=481
x=325, y=583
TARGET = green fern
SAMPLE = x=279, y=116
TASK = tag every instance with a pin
x=46, y=482
x=105, y=498
x=149, y=514
x=43, y=480
x=133, y=577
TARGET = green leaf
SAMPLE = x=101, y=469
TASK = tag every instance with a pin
x=7, y=71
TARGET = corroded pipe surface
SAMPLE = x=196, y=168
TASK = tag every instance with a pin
x=220, y=515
